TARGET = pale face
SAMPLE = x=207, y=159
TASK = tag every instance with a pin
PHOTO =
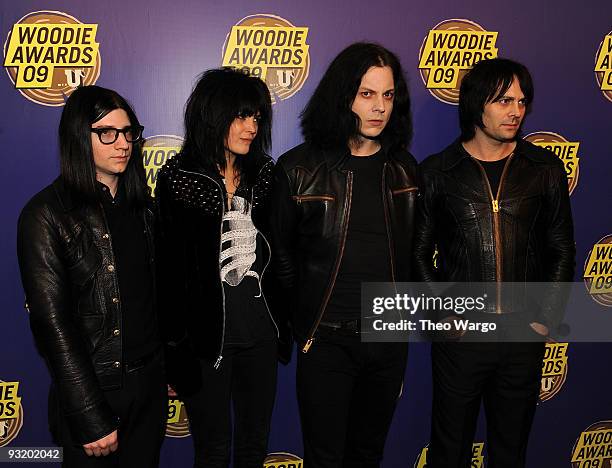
x=111, y=160
x=241, y=134
x=373, y=103
x=502, y=119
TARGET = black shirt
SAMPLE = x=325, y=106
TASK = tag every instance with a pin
x=247, y=320
x=366, y=252
x=494, y=170
x=134, y=274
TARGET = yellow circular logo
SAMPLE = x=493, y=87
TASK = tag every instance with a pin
x=177, y=425
x=11, y=412
x=477, y=456
x=271, y=48
x=450, y=49
x=603, y=66
x=554, y=370
x=598, y=271
x=48, y=54
x=156, y=151
x=566, y=151
x=594, y=446
x=283, y=460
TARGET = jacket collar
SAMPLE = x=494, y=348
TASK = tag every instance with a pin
x=193, y=165
x=64, y=196
x=456, y=153
x=335, y=158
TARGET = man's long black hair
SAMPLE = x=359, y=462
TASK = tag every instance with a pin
x=327, y=120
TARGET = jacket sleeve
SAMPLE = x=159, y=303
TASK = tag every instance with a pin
x=272, y=289
x=50, y=302
x=283, y=228
x=425, y=228
x=171, y=266
x=182, y=366
x=560, y=250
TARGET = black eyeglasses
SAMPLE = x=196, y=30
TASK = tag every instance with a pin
x=109, y=135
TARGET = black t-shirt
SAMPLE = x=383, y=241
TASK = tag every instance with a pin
x=494, y=171
x=134, y=275
x=366, y=252
x=247, y=320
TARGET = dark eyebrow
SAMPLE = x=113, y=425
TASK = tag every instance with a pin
x=108, y=127
x=365, y=88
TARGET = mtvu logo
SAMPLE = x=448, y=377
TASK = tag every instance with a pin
x=74, y=77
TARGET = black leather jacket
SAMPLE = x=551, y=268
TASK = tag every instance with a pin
x=311, y=204
x=191, y=203
x=522, y=234
x=67, y=268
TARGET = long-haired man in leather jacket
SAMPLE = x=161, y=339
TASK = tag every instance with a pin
x=342, y=214
x=85, y=249
x=497, y=208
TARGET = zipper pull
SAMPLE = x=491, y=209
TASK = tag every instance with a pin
x=495, y=206
x=307, y=345
x=218, y=362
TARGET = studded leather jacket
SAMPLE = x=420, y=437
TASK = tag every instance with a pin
x=191, y=203
x=72, y=293
x=311, y=204
x=523, y=233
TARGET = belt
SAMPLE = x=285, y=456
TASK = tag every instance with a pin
x=139, y=363
x=350, y=326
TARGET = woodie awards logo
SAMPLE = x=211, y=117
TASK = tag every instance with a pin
x=48, y=54
x=603, y=66
x=554, y=370
x=566, y=151
x=450, y=49
x=594, y=446
x=271, y=48
x=177, y=424
x=477, y=456
x=155, y=152
x=598, y=271
x=283, y=460
x=11, y=412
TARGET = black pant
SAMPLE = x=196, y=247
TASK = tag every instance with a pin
x=141, y=405
x=246, y=378
x=347, y=392
x=507, y=377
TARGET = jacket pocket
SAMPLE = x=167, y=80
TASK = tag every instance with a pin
x=85, y=268
x=410, y=190
x=310, y=198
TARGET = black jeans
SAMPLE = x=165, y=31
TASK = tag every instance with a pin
x=246, y=378
x=141, y=405
x=507, y=377
x=347, y=392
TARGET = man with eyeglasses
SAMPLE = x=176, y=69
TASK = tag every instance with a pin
x=86, y=258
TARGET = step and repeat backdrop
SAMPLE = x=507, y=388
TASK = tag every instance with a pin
x=151, y=52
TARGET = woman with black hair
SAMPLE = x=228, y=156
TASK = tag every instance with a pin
x=85, y=248
x=214, y=254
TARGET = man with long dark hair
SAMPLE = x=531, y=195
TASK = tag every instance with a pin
x=343, y=215
x=497, y=208
x=85, y=251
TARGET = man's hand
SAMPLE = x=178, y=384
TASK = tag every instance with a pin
x=539, y=328
x=103, y=446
